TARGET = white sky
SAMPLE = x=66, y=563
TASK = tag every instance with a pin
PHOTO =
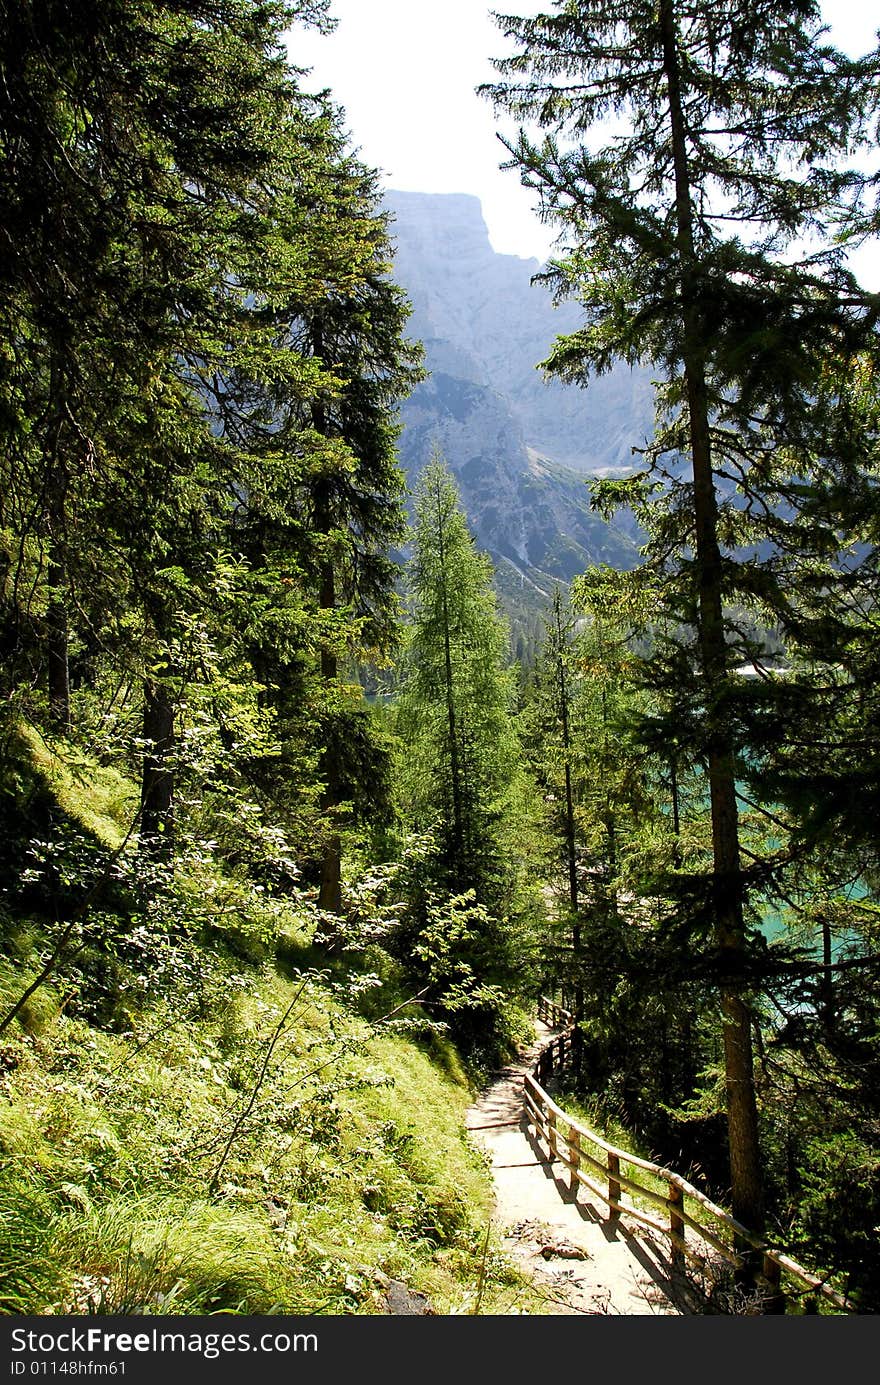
x=405, y=72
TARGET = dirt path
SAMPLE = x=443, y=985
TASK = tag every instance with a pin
x=579, y=1261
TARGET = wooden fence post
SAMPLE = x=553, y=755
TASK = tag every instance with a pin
x=771, y=1271
x=676, y=1225
x=613, y=1185
x=765, y=1267
x=574, y=1154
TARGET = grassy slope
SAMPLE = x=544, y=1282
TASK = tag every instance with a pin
x=349, y=1164
x=108, y=1145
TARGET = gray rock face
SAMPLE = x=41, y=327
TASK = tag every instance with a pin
x=521, y=447
x=500, y=326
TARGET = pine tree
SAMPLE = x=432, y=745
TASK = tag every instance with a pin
x=456, y=701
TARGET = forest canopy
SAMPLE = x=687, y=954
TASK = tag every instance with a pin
x=270, y=774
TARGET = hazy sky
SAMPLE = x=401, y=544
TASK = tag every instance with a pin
x=405, y=71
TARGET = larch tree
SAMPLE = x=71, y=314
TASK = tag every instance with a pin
x=467, y=921
x=455, y=705
x=551, y=741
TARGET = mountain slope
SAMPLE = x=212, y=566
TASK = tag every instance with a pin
x=521, y=447
x=483, y=320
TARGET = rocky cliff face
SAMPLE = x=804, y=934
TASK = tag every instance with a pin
x=500, y=326
x=520, y=446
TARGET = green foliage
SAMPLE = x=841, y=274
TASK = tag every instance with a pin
x=167, y=1056
x=200, y=487
x=758, y=491
x=30, y=1275
x=219, y=1096
x=199, y=496
x=351, y=1163
x=453, y=712
x=839, y=1209
x=164, y=1255
x=469, y=911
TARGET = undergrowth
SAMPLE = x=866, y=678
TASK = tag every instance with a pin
x=200, y=1110
x=151, y=1171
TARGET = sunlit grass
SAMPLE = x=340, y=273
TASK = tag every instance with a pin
x=100, y=799
x=352, y=1166
x=226, y=1127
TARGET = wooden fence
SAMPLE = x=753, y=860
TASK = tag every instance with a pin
x=595, y=1164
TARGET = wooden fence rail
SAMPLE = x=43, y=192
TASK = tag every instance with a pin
x=685, y=1208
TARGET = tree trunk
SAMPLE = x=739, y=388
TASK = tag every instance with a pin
x=57, y=635
x=57, y=641
x=676, y=810
x=330, y=890
x=829, y=1017
x=454, y=767
x=742, y=1123
x=571, y=854
x=157, y=783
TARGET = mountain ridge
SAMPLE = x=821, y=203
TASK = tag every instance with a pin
x=522, y=448
x=483, y=310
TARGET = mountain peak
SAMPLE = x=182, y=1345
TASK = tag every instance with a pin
x=460, y=217
x=483, y=320
x=447, y=224
x=519, y=445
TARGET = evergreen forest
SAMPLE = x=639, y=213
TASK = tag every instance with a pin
x=291, y=841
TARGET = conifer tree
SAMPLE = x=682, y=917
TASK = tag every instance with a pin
x=324, y=493
x=456, y=701
x=551, y=727
x=469, y=910
x=139, y=147
x=733, y=123
x=187, y=219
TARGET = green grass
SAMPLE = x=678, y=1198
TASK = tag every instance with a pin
x=586, y=1114
x=352, y=1165
x=101, y=800
x=202, y=1115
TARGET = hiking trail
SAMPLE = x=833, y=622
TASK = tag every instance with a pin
x=579, y=1260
